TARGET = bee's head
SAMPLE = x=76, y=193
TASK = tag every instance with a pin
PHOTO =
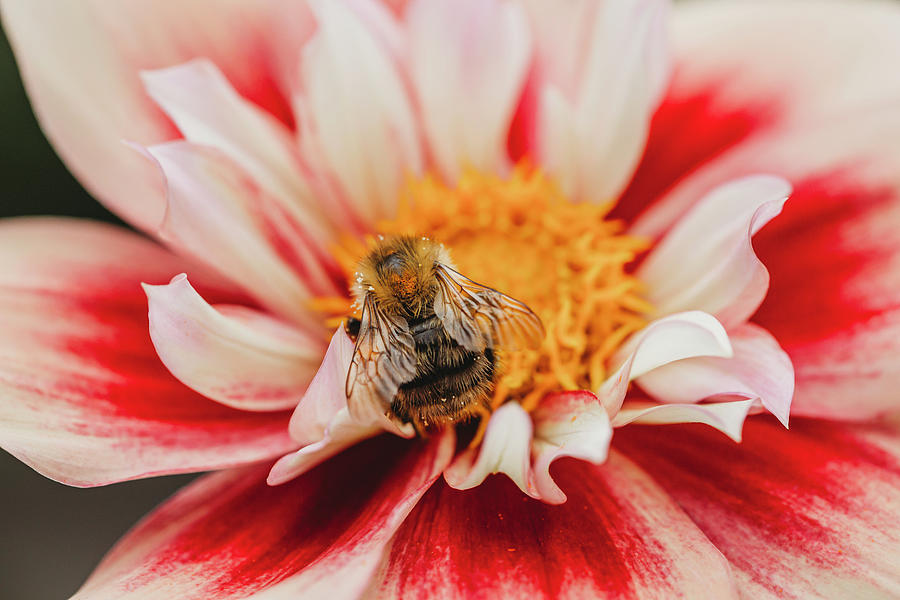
x=400, y=273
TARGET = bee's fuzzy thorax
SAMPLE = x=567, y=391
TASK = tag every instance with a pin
x=400, y=273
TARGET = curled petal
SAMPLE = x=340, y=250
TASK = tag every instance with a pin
x=572, y=424
x=727, y=417
x=759, y=370
x=506, y=448
x=566, y=424
x=672, y=338
x=341, y=433
x=468, y=64
x=239, y=357
x=805, y=513
x=85, y=398
x=809, y=96
x=325, y=396
x=322, y=424
x=832, y=254
x=322, y=535
x=706, y=261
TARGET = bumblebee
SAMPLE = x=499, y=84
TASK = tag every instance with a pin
x=428, y=336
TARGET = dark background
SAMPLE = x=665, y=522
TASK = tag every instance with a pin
x=52, y=536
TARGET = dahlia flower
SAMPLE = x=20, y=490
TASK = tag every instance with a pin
x=699, y=203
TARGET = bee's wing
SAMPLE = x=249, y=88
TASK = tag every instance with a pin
x=477, y=316
x=384, y=358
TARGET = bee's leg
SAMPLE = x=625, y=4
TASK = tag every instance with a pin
x=351, y=326
x=484, y=414
x=420, y=427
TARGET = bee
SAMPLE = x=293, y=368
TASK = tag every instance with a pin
x=428, y=336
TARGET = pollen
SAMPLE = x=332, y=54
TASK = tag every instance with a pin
x=405, y=285
x=568, y=261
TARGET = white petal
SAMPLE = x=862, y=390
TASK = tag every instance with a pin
x=672, y=338
x=571, y=424
x=759, y=370
x=601, y=70
x=727, y=417
x=208, y=111
x=706, y=262
x=240, y=358
x=358, y=122
x=468, y=63
x=506, y=448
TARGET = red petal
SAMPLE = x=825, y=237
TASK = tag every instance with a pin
x=617, y=536
x=84, y=399
x=834, y=302
x=230, y=535
x=805, y=513
x=690, y=129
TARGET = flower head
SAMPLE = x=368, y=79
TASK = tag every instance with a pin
x=560, y=159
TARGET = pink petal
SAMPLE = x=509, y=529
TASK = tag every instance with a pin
x=342, y=432
x=209, y=111
x=218, y=214
x=759, y=370
x=326, y=395
x=80, y=64
x=600, y=72
x=673, y=338
x=359, y=122
x=86, y=400
x=617, y=536
x=244, y=359
x=322, y=424
x=706, y=261
x=567, y=424
x=727, y=417
x=229, y=535
x=468, y=64
x=809, y=513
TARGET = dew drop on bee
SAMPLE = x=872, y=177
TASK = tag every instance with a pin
x=428, y=336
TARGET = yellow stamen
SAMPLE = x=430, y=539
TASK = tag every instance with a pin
x=522, y=236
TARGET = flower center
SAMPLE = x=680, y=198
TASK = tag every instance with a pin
x=521, y=236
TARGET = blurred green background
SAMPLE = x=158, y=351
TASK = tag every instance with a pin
x=52, y=536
